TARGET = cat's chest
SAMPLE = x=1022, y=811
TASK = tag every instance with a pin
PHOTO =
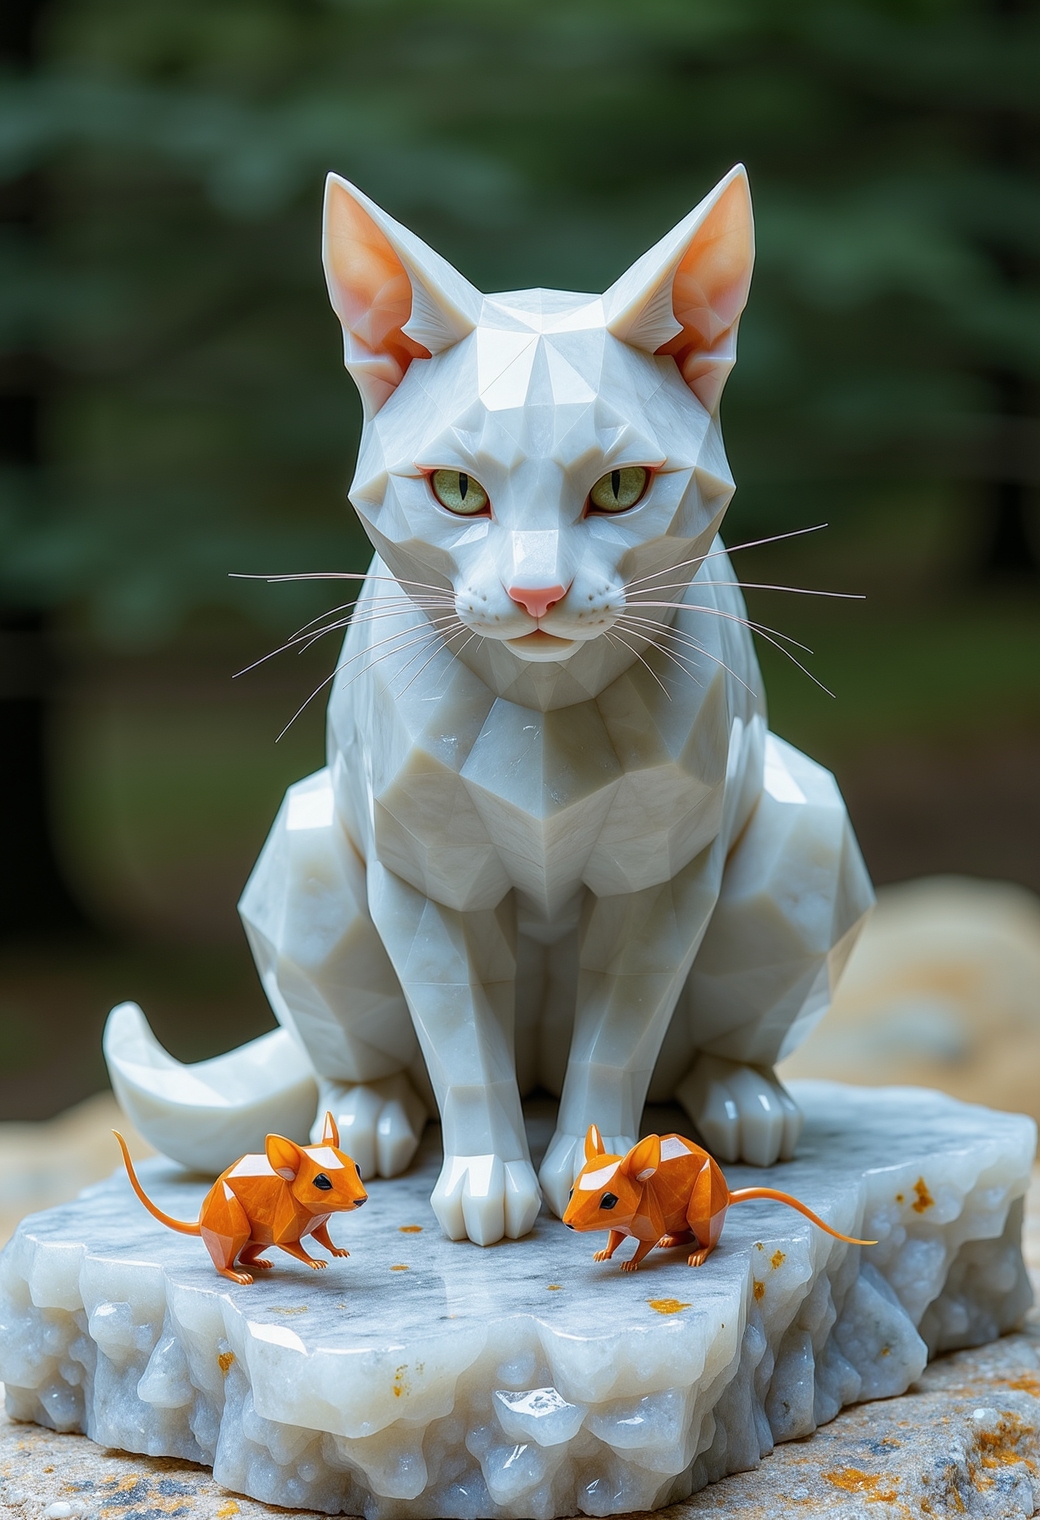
x=466, y=795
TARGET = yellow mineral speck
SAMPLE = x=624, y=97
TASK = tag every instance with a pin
x=759, y=1246
x=228, y=1509
x=758, y=1288
x=399, y=1266
x=400, y=1386
x=924, y=1197
x=553, y=1287
x=1000, y=1447
x=777, y=1259
x=298, y=1309
x=899, y=1198
x=851, y=1481
x=410, y=1229
x=667, y=1305
x=225, y=1360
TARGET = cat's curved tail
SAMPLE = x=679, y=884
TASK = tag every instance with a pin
x=208, y=1115
x=745, y=1195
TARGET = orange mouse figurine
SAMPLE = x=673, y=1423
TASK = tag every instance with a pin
x=665, y=1192
x=270, y=1200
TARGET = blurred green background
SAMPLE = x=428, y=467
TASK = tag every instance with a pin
x=173, y=408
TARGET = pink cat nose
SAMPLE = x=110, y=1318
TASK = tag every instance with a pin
x=538, y=599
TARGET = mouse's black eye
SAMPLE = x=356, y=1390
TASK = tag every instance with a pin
x=357, y=1169
x=321, y=1181
x=571, y=1193
x=608, y=1201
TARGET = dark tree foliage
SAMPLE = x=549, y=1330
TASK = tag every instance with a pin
x=196, y=417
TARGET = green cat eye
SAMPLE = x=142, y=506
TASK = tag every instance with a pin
x=459, y=492
x=620, y=489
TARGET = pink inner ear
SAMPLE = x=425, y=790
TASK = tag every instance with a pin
x=708, y=295
x=369, y=285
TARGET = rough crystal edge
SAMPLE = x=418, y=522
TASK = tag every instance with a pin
x=864, y=1329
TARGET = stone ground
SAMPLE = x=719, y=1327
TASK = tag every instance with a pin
x=964, y=1441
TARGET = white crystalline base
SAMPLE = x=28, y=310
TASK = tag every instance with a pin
x=525, y=1380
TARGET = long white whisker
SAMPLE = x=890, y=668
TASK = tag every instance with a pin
x=349, y=608
x=632, y=650
x=446, y=639
x=682, y=662
x=395, y=606
x=700, y=559
x=302, y=640
x=386, y=601
x=776, y=645
x=332, y=575
x=847, y=596
x=664, y=629
x=733, y=617
x=761, y=629
x=422, y=637
x=363, y=621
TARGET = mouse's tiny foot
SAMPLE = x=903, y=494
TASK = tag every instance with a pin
x=630, y=1266
x=380, y=1123
x=666, y=1242
x=742, y=1112
x=262, y=1263
x=339, y=1251
x=482, y=1198
x=317, y=1266
x=236, y=1277
x=698, y=1258
x=602, y=1256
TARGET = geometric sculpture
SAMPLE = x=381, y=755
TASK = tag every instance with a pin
x=554, y=844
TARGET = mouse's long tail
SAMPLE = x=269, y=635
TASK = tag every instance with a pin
x=744, y=1195
x=174, y=1224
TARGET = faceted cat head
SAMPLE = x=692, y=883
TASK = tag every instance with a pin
x=538, y=452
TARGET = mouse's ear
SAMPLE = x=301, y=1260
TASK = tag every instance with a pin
x=396, y=299
x=643, y=1159
x=685, y=296
x=284, y=1155
x=594, y=1144
x=330, y=1131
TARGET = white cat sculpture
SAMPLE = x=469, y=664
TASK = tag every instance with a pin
x=554, y=844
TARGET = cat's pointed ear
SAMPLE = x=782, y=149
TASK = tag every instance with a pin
x=685, y=296
x=396, y=299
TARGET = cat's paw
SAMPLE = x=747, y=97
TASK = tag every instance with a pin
x=743, y=1113
x=482, y=1198
x=564, y=1160
x=380, y=1123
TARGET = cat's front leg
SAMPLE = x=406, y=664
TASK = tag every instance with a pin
x=635, y=953
x=458, y=971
